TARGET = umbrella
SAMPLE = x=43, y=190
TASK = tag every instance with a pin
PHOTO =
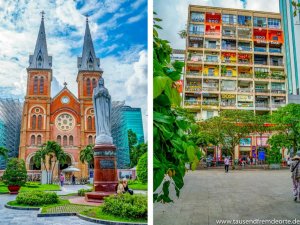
x=71, y=169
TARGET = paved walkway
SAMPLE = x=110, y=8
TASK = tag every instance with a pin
x=22, y=217
x=209, y=195
x=68, y=189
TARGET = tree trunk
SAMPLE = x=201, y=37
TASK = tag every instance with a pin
x=53, y=171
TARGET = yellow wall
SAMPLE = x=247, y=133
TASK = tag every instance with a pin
x=216, y=70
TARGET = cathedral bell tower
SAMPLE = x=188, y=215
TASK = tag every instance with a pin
x=35, y=127
x=89, y=72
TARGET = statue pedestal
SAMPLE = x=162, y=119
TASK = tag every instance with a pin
x=105, y=173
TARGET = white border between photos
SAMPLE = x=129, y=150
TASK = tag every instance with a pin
x=150, y=112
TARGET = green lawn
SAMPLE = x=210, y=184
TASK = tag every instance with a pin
x=98, y=214
x=137, y=185
x=30, y=186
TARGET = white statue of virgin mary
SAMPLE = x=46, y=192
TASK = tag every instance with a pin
x=102, y=108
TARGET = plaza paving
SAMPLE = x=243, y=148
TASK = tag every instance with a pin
x=22, y=217
x=209, y=195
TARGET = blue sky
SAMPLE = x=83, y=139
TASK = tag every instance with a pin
x=119, y=31
x=174, y=14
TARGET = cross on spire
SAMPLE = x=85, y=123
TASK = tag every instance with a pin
x=87, y=17
x=65, y=84
x=43, y=13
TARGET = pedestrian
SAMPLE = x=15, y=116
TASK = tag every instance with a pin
x=123, y=187
x=226, y=162
x=295, y=169
x=73, y=179
x=62, y=180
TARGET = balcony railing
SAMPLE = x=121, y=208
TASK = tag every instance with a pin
x=229, y=35
x=275, y=50
x=210, y=89
x=192, y=102
x=228, y=61
x=261, y=75
x=245, y=89
x=265, y=63
x=278, y=91
x=196, y=32
x=245, y=105
x=209, y=75
x=197, y=19
x=211, y=60
x=278, y=76
x=193, y=73
x=260, y=49
x=212, y=46
x=212, y=33
x=245, y=62
x=209, y=102
x=245, y=75
x=229, y=104
x=245, y=36
x=248, y=49
x=193, y=88
x=228, y=89
x=262, y=105
x=229, y=48
x=278, y=104
x=276, y=63
x=262, y=90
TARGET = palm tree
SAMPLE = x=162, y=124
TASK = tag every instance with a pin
x=3, y=152
x=87, y=155
x=49, y=154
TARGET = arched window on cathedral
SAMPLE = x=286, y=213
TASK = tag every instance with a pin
x=88, y=86
x=89, y=123
x=41, y=85
x=33, y=122
x=71, y=140
x=90, y=140
x=58, y=139
x=35, y=85
x=94, y=82
x=65, y=140
x=32, y=141
x=40, y=122
x=39, y=140
x=93, y=123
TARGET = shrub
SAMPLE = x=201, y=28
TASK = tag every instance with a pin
x=126, y=205
x=15, y=173
x=142, y=169
x=274, y=155
x=81, y=192
x=37, y=198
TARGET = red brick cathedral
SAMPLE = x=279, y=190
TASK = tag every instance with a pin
x=64, y=118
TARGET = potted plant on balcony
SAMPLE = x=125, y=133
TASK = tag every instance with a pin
x=15, y=175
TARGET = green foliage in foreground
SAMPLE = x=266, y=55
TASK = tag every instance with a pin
x=171, y=127
x=137, y=185
x=142, y=169
x=60, y=202
x=126, y=206
x=37, y=198
x=81, y=192
x=98, y=213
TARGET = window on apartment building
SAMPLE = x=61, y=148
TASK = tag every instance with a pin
x=196, y=29
x=197, y=17
x=229, y=19
x=274, y=23
x=260, y=22
x=244, y=20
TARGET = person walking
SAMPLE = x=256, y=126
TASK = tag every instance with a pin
x=226, y=162
x=295, y=169
x=73, y=179
x=62, y=180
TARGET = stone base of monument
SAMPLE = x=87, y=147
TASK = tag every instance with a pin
x=105, y=173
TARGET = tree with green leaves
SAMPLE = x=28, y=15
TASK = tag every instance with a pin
x=4, y=152
x=87, y=155
x=142, y=168
x=287, y=120
x=137, y=152
x=296, y=6
x=132, y=141
x=182, y=34
x=49, y=155
x=261, y=125
x=172, y=147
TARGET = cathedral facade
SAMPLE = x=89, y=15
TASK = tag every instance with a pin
x=65, y=118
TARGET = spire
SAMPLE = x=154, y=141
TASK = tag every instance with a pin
x=88, y=60
x=40, y=59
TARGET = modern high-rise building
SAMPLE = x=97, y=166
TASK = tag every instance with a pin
x=291, y=28
x=133, y=120
x=10, y=125
x=234, y=60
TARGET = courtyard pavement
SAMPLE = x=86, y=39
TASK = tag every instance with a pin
x=23, y=217
x=210, y=195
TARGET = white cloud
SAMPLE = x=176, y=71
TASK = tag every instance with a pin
x=136, y=18
x=174, y=14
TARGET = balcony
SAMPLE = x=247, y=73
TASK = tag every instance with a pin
x=274, y=91
x=231, y=48
x=244, y=36
x=262, y=90
x=210, y=75
x=244, y=62
x=275, y=50
x=210, y=89
x=245, y=104
x=196, y=32
x=229, y=35
x=207, y=60
x=193, y=73
x=262, y=105
x=278, y=104
x=228, y=104
x=192, y=103
x=193, y=88
x=245, y=48
x=228, y=89
x=278, y=76
x=261, y=75
x=245, y=75
x=277, y=64
x=260, y=49
x=210, y=102
x=248, y=89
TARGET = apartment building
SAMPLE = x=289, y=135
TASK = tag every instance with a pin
x=234, y=60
